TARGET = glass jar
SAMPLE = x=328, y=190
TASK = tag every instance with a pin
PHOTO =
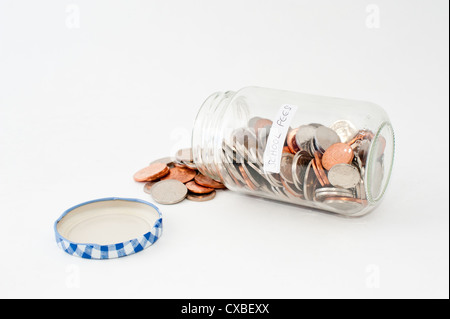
x=326, y=153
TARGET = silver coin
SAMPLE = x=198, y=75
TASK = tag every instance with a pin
x=308, y=184
x=360, y=191
x=169, y=191
x=361, y=149
x=184, y=155
x=273, y=179
x=286, y=167
x=344, y=206
x=304, y=134
x=299, y=165
x=325, y=137
x=326, y=192
x=345, y=130
x=344, y=175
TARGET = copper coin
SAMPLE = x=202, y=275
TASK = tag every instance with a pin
x=318, y=169
x=149, y=185
x=292, y=142
x=362, y=135
x=207, y=181
x=246, y=178
x=181, y=174
x=151, y=173
x=201, y=198
x=262, y=125
x=339, y=153
x=290, y=188
x=193, y=187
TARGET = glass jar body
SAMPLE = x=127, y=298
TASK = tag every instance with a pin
x=326, y=153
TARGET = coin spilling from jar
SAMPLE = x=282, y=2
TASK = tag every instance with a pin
x=321, y=167
x=170, y=180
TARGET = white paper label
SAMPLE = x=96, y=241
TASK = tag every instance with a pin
x=277, y=135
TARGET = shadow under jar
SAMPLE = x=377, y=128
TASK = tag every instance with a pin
x=326, y=153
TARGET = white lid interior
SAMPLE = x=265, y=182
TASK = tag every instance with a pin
x=108, y=222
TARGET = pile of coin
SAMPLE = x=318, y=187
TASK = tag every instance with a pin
x=170, y=180
x=321, y=167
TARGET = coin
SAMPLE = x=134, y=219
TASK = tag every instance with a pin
x=324, y=137
x=262, y=128
x=345, y=130
x=308, y=184
x=169, y=191
x=291, y=189
x=286, y=167
x=304, y=134
x=318, y=169
x=247, y=179
x=169, y=161
x=344, y=175
x=362, y=134
x=361, y=150
x=339, y=153
x=291, y=141
x=184, y=155
x=207, y=181
x=149, y=185
x=151, y=172
x=345, y=204
x=252, y=122
x=201, y=198
x=181, y=174
x=193, y=187
x=299, y=165
x=327, y=192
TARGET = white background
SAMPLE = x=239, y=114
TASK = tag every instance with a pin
x=92, y=91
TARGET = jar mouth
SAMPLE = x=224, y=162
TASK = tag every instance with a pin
x=380, y=163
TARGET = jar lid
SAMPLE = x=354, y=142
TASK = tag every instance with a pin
x=108, y=228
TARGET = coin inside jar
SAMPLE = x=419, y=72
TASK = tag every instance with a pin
x=318, y=169
x=151, y=172
x=184, y=155
x=345, y=204
x=304, y=134
x=291, y=141
x=328, y=192
x=324, y=137
x=345, y=130
x=286, y=167
x=339, y=153
x=169, y=192
x=181, y=174
x=344, y=175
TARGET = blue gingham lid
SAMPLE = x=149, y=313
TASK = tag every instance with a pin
x=113, y=250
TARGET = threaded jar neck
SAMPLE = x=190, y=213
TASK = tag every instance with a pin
x=207, y=133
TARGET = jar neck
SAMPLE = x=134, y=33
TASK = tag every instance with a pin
x=207, y=134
